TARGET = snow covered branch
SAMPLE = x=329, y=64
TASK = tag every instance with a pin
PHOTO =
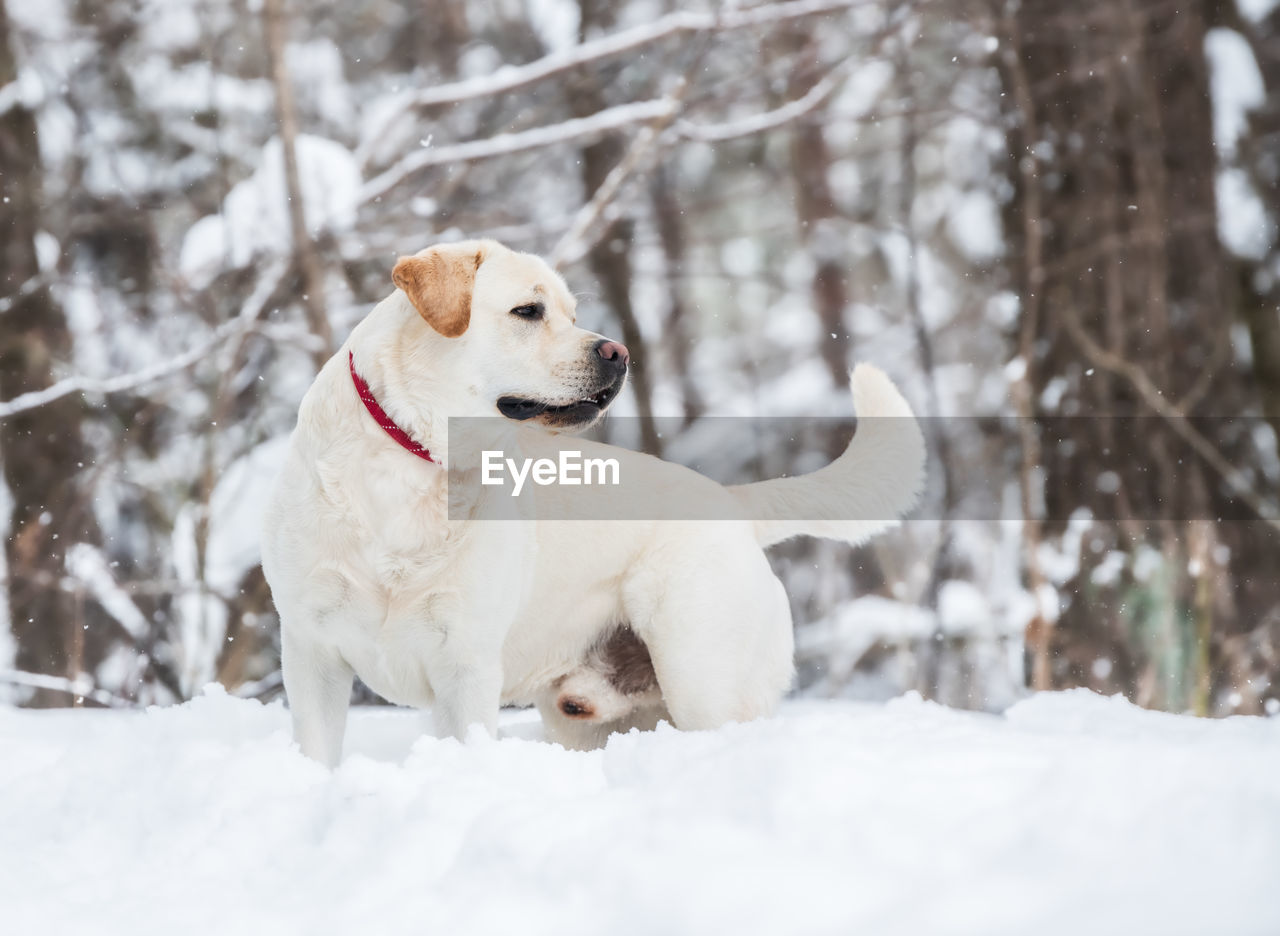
x=577, y=130
x=242, y=323
x=769, y=120
x=575, y=242
x=81, y=688
x=683, y=23
x=659, y=112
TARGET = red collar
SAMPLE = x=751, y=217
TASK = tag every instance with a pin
x=380, y=415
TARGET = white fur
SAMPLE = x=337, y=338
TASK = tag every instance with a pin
x=372, y=577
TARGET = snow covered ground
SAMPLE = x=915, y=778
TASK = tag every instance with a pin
x=1071, y=813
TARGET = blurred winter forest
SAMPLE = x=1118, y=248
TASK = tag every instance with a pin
x=1034, y=214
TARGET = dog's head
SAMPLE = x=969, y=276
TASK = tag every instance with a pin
x=512, y=342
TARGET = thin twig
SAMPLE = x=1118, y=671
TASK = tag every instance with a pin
x=1099, y=356
x=768, y=120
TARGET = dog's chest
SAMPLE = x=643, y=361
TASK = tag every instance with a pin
x=398, y=515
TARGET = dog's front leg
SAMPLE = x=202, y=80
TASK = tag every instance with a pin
x=470, y=624
x=318, y=683
x=471, y=694
x=459, y=651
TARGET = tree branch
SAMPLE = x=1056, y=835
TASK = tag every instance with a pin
x=568, y=131
x=514, y=77
x=658, y=112
x=810, y=101
x=241, y=324
x=574, y=243
x=81, y=688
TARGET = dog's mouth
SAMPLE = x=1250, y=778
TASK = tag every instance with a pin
x=577, y=414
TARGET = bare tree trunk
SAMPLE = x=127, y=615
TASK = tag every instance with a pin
x=1031, y=279
x=304, y=249
x=610, y=255
x=41, y=449
x=670, y=225
x=816, y=209
x=937, y=646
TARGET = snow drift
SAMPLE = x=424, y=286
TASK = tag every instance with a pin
x=1072, y=813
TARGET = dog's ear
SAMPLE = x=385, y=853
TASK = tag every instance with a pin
x=439, y=282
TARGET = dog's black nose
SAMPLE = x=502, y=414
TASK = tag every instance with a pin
x=614, y=352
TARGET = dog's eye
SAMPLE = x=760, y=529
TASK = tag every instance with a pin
x=532, y=311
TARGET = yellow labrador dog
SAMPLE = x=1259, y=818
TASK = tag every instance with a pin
x=373, y=573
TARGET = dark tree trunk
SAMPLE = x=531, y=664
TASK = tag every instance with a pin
x=815, y=209
x=671, y=234
x=41, y=449
x=610, y=256
x=1112, y=133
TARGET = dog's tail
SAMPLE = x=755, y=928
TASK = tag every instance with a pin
x=863, y=492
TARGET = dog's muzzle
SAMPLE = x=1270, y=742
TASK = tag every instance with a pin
x=611, y=363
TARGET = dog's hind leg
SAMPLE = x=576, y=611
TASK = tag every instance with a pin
x=719, y=631
x=317, y=682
